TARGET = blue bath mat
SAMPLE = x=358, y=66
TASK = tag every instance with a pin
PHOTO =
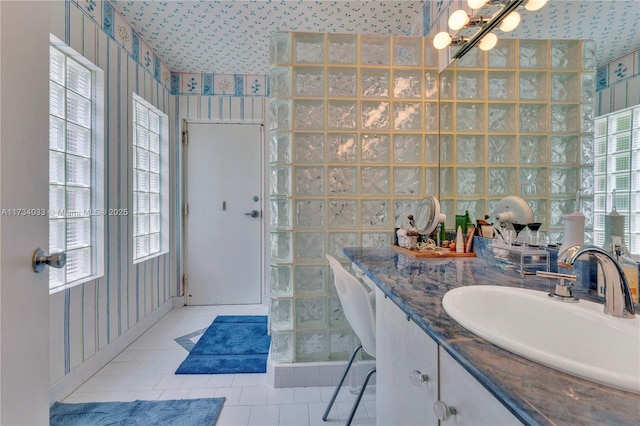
x=231, y=344
x=203, y=411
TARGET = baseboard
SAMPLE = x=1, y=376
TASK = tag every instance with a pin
x=281, y=375
x=72, y=381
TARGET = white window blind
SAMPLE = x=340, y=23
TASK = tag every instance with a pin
x=73, y=184
x=150, y=220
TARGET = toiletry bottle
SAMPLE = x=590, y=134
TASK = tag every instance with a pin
x=459, y=241
x=629, y=266
x=443, y=233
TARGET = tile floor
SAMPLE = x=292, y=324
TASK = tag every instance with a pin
x=145, y=370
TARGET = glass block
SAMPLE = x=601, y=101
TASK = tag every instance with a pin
x=336, y=314
x=280, y=48
x=78, y=140
x=343, y=48
x=375, y=50
x=308, y=81
x=600, y=165
x=56, y=200
x=446, y=181
x=431, y=149
x=447, y=149
x=308, y=48
x=57, y=133
x=470, y=85
x=533, y=54
x=564, y=181
x=407, y=115
x=565, y=86
x=502, y=117
x=343, y=214
x=78, y=233
x=342, y=147
x=431, y=111
x=310, y=246
x=470, y=181
x=564, y=149
x=565, y=118
x=448, y=208
x=375, y=180
x=533, y=118
x=589, y=59
x=56, y=100
x=375, y=214
x=587, y=180
x=374, y=83
x=407, y=51
x=342, y=180
x=376, y=239
x=503, y=55
x=57, y=235
x=502, y=85
x=343, y=114
x=281, y=346
x=309, y=180
x=557, y=209
x=280, y=82
x=587, y=150
x=309, y=213
x=446, y=79
x=476, y=208
x=310, y=346
x=338, y=241
x=343, y=82
x=375, y=148
x=470, y=117
x=472, y=59
x=78, y=202
x=407, y=148
x=281, y=314
x=280, y=147
x=281, y=246
x=280, y=115
x=78, y=263
x=311, y=314
x=407, y=180
x=533, y=149
x=533, y=86
x=431, y=180
x=502, y=149
x=588, y=116
x=588, y=87
x=309, y=147
x=340, y=345
x=470, y=149
x=78, y=171
x=375, y=115
x=539, y=208
x=407, y=84
x=281, y=280
x=310, y=280
x=401, y=209
x=78, y=111
x=431, y=84
x=533, y=181
x=619, y=163
x=446, y=116
x=565, y=54
x=309, y=115
x=280, y=180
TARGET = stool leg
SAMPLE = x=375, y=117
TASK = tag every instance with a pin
x=344, y=376
x=355, y=404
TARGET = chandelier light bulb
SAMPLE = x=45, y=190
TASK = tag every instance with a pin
x=442, y=40
x=458, y=20
x=488, y=42
x=510, y=22
x=533, y=5
x=476, y=4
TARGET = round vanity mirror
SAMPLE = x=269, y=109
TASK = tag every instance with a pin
x=428, y=215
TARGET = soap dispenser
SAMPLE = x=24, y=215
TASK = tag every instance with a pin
x=613, y=223
x=573, y=226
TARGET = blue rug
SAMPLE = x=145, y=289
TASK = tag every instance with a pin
x=203, y=411
x=231, y=344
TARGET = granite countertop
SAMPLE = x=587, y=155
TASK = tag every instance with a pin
x=532, y=392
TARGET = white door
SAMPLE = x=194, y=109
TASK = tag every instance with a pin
x=24, y=194
x=223, y=223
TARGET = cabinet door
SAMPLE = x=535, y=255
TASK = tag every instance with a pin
x=473, y=403
x=403, y=353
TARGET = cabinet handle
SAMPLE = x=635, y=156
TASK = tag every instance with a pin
x=443, y=412
x=417, y=378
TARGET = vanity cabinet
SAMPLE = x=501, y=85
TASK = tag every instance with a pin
x=413, y=373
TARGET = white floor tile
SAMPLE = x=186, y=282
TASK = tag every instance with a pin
x=264, y=415
x=253, y=396
x=294, y=415
x=234, y=415
x=232, y=395
x=306, y=395
x=246, y=380
x=280, y=396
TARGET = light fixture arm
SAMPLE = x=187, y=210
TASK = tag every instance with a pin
x=488, y=27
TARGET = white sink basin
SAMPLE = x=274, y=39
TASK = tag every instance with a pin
x=577, y=338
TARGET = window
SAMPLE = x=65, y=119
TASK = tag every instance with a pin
x=617, y=166
x=75, y=155
x=150, y=181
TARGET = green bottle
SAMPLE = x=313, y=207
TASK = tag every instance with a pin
x=467, y=221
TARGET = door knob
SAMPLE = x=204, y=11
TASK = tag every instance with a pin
x=41, y=259
x=253, y=213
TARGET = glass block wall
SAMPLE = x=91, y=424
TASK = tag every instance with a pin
x=353, y=146
x=519, y=120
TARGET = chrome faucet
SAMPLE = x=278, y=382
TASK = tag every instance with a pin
x=617, y=297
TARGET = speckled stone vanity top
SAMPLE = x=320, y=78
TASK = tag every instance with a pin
x=532, y=392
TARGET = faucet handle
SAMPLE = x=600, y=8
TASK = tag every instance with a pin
x=563, y=290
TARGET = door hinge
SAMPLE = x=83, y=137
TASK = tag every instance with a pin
x=185, y=209
x=185, y=137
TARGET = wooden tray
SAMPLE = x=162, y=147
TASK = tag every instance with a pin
x=430, y=254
